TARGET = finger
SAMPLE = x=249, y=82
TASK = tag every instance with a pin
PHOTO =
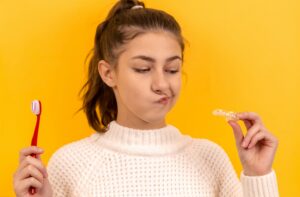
x=22, y=187
x=34, y=162
x=257, y=137
x=248, y=123
x=28, y=151
x=31, y=171
x=252, y=116
x=250, y=133
x=30, y=182
x=238, y=134
x=269, y=139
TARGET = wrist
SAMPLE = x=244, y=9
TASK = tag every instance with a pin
x=256, y=173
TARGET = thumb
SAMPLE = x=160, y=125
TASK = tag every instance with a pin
x=238, y=134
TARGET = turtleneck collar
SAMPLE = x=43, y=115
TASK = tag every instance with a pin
x=165, y=140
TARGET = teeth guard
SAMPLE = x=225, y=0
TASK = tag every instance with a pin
x=229, y=115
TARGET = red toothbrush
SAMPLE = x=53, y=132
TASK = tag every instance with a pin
x=36, y=108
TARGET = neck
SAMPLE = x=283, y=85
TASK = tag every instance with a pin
x=140, y=124
x=163, y=140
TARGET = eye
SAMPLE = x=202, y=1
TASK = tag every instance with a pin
x=148, y=69
x=173, y=71
x=141, y=70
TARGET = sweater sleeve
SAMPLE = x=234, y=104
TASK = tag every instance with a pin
x=265, y=185
x=248, y=186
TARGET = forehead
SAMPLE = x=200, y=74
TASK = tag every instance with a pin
x=158, y=45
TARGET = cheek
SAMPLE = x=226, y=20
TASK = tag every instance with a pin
x=176, y=85
x=132, y=89
x=176, y=88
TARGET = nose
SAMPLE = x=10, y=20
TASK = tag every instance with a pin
x=159, y=82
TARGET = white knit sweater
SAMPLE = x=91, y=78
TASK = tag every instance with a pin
x=159, y=162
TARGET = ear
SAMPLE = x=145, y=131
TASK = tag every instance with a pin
x=107, y=73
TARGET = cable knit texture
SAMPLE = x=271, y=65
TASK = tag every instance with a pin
x=159, y=162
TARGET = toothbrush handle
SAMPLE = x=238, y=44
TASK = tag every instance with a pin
x=36, y=131
x=32, y=190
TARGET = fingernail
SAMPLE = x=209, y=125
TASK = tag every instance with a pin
x=40, y=149
x=244, y=144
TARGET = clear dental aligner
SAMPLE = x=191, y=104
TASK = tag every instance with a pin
x=229, y=115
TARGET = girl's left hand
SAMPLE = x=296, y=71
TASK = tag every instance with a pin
x=257, y=149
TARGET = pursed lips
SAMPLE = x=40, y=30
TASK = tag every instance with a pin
x=163, y=100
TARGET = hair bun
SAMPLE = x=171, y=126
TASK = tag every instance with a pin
x=131, y=3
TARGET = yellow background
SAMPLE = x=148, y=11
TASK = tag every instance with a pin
x=241, y=56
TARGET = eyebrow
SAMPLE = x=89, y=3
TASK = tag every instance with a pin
x=150, y=59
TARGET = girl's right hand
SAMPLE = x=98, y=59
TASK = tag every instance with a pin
x=31, y=173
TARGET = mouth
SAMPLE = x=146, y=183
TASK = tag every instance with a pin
x=164, y=100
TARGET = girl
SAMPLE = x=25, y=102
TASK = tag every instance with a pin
x=134, y=81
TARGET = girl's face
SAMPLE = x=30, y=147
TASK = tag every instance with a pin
x=149, y=69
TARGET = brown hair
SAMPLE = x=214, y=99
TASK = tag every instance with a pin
x=120, y=26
